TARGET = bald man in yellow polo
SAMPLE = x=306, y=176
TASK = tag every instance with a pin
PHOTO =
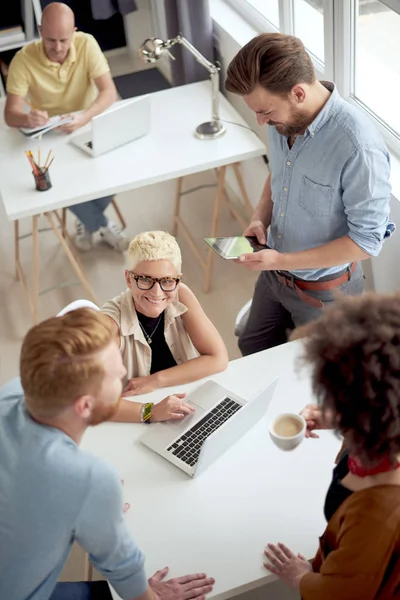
x=65, y=72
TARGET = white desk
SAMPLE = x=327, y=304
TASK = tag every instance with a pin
x=220, y=522
x=169, y=151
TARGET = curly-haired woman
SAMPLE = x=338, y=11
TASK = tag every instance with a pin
x=354, y=354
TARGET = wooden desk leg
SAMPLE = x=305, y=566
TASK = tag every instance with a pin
x=178, y=195
x=19, y=272
x=71, y=258
x=35, y=295
x=87, y=569
x=239, y=179
x=16, y=249
x=64, y=222
x=214, y=225
x=119, y=213
x=226, y=196
x=66, y=235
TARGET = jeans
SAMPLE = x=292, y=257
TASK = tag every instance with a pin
x=277, y=309
x=82, y=590
x=91, y=213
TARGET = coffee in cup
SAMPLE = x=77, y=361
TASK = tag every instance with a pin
x=288, y=430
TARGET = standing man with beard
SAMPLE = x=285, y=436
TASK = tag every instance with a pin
x=326, y=199
x=51, y=492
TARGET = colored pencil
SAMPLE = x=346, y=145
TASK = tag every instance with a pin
x=34, y=166
x=47, y=168
x=47, y=158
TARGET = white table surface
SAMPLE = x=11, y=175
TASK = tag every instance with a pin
x=220, y=522
x=170, y=150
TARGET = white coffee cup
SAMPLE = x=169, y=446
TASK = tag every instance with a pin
x=288, y=430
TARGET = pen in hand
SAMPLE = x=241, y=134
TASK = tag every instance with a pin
x=35, y=118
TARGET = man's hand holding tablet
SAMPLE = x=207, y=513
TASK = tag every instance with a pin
x=232, y=248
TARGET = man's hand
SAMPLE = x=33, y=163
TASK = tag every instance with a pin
x=140, y=385
x=312, y=414
x=180, y=588
x=264, y=260
x=78, y=120
x=286, y=565
x=172, y=407
x=256, y=228
x=36, y=118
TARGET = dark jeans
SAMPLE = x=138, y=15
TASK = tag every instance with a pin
x=82, y=590
x=91, y=213
x=277, y=309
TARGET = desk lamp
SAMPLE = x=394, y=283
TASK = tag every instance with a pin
x=153, y=49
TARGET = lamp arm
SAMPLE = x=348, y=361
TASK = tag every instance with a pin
x=211, y=68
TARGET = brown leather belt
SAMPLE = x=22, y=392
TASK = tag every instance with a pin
x=300, y=284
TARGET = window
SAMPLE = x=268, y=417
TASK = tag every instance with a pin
x=259, y=11
x=303, y=18
x=377, y=61
x=308, y=18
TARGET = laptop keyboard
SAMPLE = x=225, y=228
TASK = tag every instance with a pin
x=89, y=145
x=187, y=447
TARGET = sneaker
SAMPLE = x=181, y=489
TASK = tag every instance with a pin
x=112, y=235
x=83, y=237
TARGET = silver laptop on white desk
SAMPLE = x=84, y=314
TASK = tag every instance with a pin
x=221, y=418
x=122, y=123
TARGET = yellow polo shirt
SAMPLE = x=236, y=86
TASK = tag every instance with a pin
x=58, y=89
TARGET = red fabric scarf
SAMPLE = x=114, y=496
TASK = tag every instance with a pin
x=383, y=466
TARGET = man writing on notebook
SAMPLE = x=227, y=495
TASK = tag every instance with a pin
x=52, y=492
x=65, y=73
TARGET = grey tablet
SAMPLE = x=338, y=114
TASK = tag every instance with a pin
x=232, y=247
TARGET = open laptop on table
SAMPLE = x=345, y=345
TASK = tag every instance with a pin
x=221, y=418
x=122, y=123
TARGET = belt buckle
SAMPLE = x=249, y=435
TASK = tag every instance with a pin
x=288, y=278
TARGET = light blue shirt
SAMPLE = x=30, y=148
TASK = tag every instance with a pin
x=333, y=182
x=52, y=493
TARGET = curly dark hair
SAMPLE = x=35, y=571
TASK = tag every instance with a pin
x=354, y=353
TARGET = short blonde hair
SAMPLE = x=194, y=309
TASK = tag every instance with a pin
x=154, y=245
x=59, y=361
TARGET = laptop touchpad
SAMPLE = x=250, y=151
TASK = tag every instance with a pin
x=187, y=422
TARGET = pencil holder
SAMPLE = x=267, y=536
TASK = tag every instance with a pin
x=42, y=181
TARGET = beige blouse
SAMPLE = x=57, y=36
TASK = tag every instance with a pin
x=136, y=352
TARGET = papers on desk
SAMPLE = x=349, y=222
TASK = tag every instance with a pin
x=52, y=123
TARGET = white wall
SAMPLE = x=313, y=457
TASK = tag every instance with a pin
x=385, y=267
x=138, y=26
x=146, y=22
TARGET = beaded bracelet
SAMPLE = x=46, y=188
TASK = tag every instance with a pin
x=145, y=412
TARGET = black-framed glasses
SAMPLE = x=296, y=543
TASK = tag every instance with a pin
x=145, y=282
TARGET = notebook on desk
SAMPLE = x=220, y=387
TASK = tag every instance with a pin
x=52, y=123
x=220, y=420
x=122, y=123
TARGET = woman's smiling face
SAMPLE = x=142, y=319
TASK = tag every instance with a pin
x=152, y=302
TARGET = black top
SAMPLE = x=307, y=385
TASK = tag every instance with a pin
x=337, y=493
x=161, y=357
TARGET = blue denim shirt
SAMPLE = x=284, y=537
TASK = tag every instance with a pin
x=333, y=182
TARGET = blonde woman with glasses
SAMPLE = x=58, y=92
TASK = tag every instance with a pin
x=165, y=336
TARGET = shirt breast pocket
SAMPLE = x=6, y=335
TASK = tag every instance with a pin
x=315, y=199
